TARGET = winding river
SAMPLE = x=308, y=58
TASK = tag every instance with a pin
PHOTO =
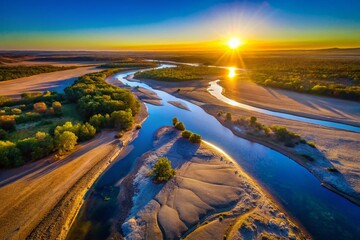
x=324, y=214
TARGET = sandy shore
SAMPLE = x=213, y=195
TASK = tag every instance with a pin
x=54, y=81
x=337, y=148
x=300, y=104
x=209, y=198
x=47, y=194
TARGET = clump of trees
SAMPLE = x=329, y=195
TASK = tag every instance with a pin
x=193, y=137
x=162, y=170
x=12, y=72
x=180, y=73
x=93, y=95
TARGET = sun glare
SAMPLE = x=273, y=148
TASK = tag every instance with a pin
x=234, y=43
x=232, y=72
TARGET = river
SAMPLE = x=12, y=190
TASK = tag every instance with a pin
x=324, y=214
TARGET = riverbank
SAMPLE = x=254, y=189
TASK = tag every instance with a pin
x=210, y=197
x=47, y=194
x=338, y=148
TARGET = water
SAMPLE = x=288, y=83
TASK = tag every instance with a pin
x=324, y=214
x=216, y=90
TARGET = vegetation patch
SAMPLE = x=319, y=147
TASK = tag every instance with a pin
x=162, y=170
x=13, y=72
x=180, y=73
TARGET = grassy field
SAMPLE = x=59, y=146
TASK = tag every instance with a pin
x=180, y=73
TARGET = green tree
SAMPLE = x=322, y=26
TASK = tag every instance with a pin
x=10, y=155
x=66, y=141
x=253, y=120
x=40, y=107
x=85, y=132
x=175, y=121
x=180, y=126
x=186, y=134
x=195, y=138
x=162, y=170
x=56, y=106
x=122, y=120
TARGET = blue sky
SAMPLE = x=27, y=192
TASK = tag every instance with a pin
x=31, y=24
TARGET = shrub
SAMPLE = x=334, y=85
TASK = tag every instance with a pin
x=40, y=107
x=195, y=138
x=122, y=120
x=56, y=106
x=7, y=122
x=180, y=126
x=228, y=116
x=253, y=120
x=85, y=131
x=10, y=155
x=162, y=170
x=36, y=147
x=66, y=141
x=138, y=126
x=186, y=134
x=98, y=121
x=175, y=121
x=16, y=111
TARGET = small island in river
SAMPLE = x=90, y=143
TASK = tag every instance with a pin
x=210, y=197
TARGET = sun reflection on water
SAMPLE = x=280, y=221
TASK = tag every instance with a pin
x=232, y=72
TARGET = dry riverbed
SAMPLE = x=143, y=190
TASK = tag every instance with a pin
x=209, y=198
x=335, y=148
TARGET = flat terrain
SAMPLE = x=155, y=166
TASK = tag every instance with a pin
x=338, y=148
x=54, y=81
x=209, y=198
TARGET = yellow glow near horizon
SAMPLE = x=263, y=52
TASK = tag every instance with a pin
x=235, y=42
x=232, y=72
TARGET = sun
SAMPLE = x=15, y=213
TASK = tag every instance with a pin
x=235, y=42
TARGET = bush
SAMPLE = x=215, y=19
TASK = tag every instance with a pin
x=122, y=120
x=180, y=126
x=186, y=134
x=195, y=138
x=175, y=121
x=16, y=111
x=228, y=116
x=10, y=155
x=85, y=131
x=56, y=106
x=138, y=126
x=253, y=120
x=98, y=121
x=162, y=170
x=40, y=107
x=7, y=122
x=37, y=147
x=66, y=141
